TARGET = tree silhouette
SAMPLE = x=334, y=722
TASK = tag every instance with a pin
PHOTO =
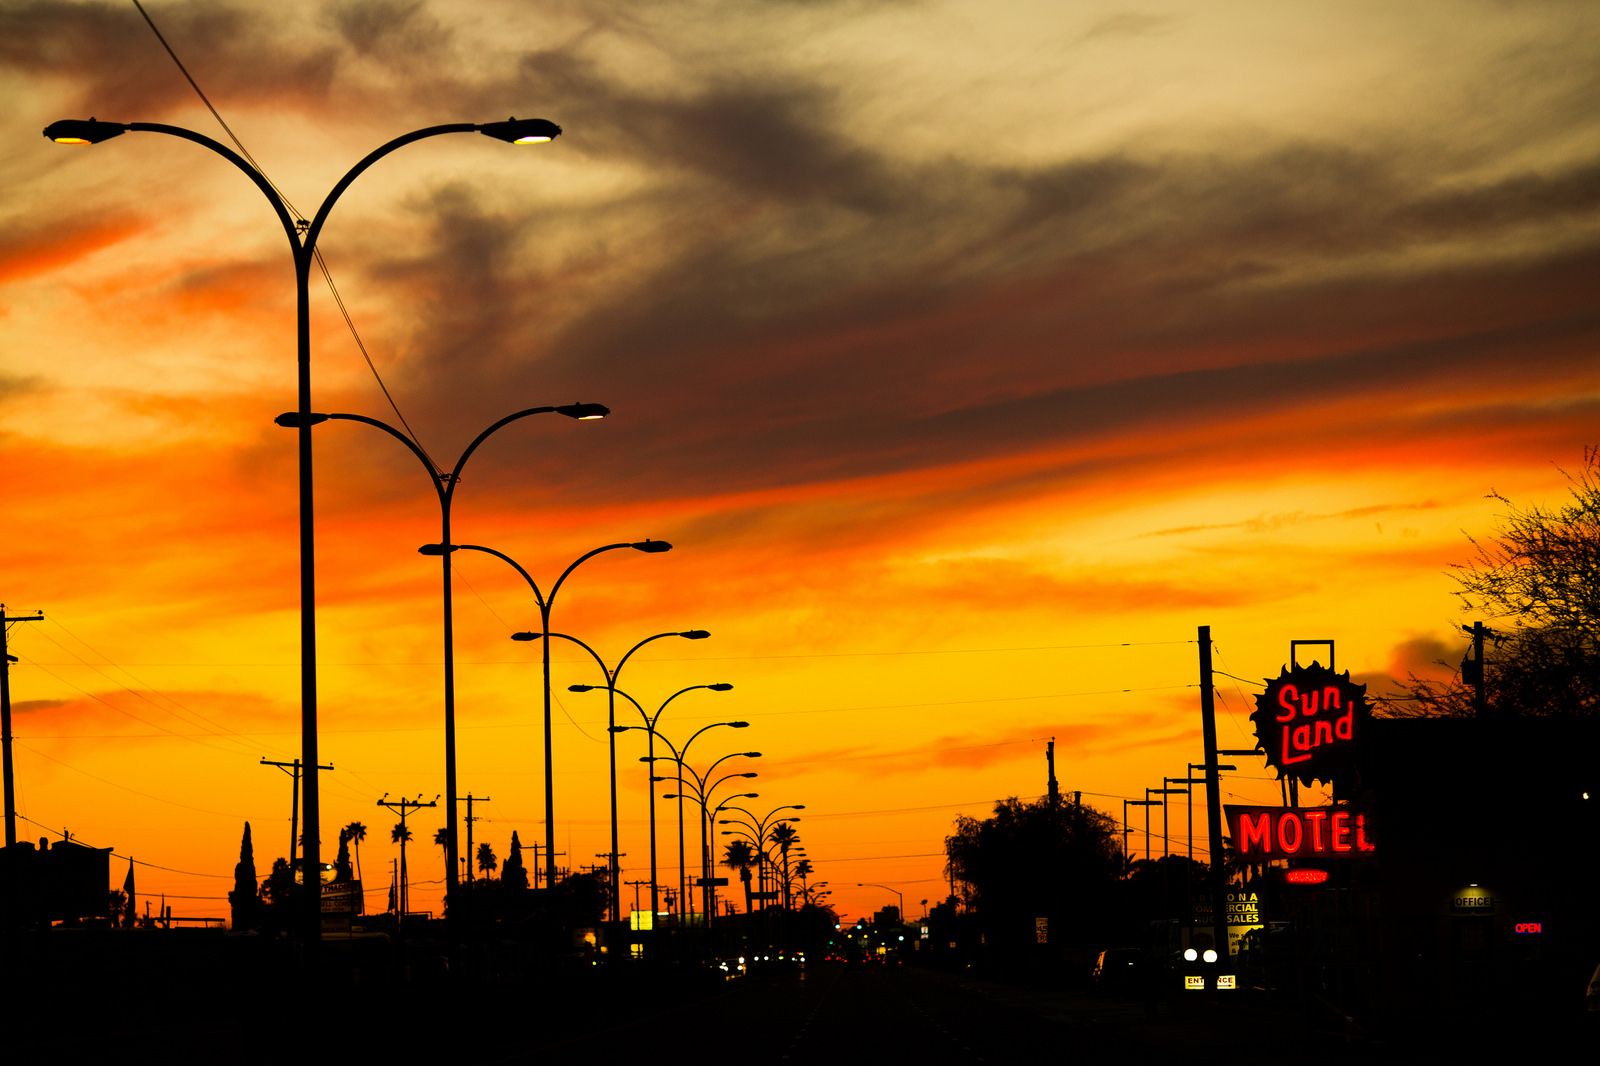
x=487, y=863
x=514, y=874
x=357, y=833
x=785, y=836
x=442, y=838
x=1028, y=861
x=341, y=864
x=401, y=834
x=243, y=899
x=740, y=856
x=1538, y=581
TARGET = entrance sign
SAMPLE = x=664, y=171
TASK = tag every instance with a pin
x=1261, y=833
x=1309, y=720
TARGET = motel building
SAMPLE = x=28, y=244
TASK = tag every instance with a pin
x=1454, y=878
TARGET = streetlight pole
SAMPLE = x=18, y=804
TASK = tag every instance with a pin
x=1127, y=830
x=703, y=795
x=678, y=756
x=444, y=487
x=649, y=728
x=546, y=602
x=760, y=826
x=302, y=237
x=898, y=895
x=611, y=674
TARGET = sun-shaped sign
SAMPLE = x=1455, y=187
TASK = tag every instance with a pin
x=1309, y=721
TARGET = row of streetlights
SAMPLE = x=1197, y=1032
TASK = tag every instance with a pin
x=302, y=236
x=1185, y=788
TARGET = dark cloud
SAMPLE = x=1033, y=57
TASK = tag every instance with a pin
x=119, y=71
x=395, y=31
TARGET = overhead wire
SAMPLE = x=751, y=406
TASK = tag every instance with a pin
x=322, y=265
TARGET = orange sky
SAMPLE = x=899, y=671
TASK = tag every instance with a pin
x=969, y=365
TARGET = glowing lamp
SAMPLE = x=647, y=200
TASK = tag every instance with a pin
x=522, y=130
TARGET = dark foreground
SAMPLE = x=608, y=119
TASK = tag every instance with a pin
x=204, y=1008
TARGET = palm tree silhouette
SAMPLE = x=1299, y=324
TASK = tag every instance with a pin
x=442, y=838
x=401, y=834
x=487, y=863
x=785, y=836
x=738, y=855
x=357, y=833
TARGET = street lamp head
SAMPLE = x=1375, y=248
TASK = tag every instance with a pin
x=438, y=549
x=652, y=547
x=525, y=637
x=738, y=725
x=750, y=773
x=294, y=419
x=751, y=754
x=720, y=686
x=521, y=130
x=584, y=412
x=576, y=688
x=694, y=634
x=83, y=131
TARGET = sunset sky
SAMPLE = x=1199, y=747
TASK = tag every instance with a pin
x=971, y=356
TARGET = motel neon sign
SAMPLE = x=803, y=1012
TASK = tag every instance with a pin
x=1309, y=720
x=1261, y=833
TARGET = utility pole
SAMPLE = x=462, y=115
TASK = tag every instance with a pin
x=1208, y=729
x=471, y=799
x=6, y=659
x=403, y=807
x=1053, y=789
x=293, y=770
x=1473, y=673
x=636, y=886
x=550, y=861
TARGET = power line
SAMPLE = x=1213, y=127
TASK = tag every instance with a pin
x=136, y=862
x=316, y=255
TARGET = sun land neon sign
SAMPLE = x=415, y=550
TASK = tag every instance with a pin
x=1308, y=721
x=1261, y=833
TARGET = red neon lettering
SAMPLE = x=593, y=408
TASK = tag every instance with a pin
x=1286, y=697
x=1298, y=739
x=1361, y=834
x=1284, y=824
x=1331, y=697
x=1255, y=833
x=1341, y=830
x=1315, y=819
x=1344, y=728
x=1529, y=927
x=1321, y=732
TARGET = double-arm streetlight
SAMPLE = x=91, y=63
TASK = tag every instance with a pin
x=546, y=601
x=758, y=825
x=444, y=486
x=679, y=756
x=611, y=674
x=302, y=235
x=649, y=728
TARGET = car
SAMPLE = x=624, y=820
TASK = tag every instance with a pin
x=1118, y=970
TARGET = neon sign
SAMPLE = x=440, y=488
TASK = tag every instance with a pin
x=1306, y=876
x=1308, y=721
x=1298, y=832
